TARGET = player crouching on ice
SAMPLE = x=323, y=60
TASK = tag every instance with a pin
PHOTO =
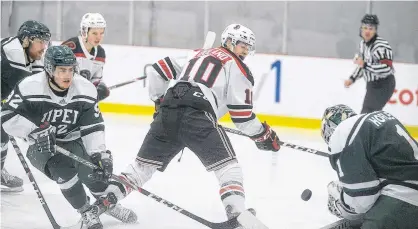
x=376, y=160
x=59, y=107
x=195, y=96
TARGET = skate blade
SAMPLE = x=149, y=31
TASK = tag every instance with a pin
x=6, y=189
x=249, y=221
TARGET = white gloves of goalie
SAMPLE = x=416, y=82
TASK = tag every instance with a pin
x=336, y=203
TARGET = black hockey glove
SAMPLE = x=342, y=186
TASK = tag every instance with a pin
x=43, y=139
x=157, y=104
x=267, y=140
x=105, y=162
x=102, y=90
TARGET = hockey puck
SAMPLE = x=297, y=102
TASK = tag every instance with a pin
x=306, y=195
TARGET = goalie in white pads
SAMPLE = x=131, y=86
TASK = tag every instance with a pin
x=376, y=160
x=189, y=101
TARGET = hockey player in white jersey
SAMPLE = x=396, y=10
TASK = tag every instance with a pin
x=91, y=56
x=191, y=99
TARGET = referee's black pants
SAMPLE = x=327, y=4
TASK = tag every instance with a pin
x=378, y=94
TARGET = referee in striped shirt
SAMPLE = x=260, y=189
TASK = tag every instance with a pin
x=375, y=65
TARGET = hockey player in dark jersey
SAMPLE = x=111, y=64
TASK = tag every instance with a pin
x=376, y=160
x=21, y=56
x=60, y=107
x=90, y=54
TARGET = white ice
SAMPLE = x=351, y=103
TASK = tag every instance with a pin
x=273, y=187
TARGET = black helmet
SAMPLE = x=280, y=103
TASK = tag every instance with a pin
x=370, y=19
x=58, y=56
x=34, y=29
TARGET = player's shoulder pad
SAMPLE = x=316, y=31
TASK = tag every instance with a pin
x=242, y=67
x=84, y=88
x=13, y=51
x=73, y=43
x=343, y=133
x=34, y=85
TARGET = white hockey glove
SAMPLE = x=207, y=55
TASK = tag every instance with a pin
x=336, y=203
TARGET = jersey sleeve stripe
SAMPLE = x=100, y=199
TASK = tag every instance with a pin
x=78, y=54
x=240, y=113
x=362, y=192
x=170, y=65
x=92, y=129
x=160, y=72
x=236, y=119
x=240, y=107
x=165, y=68
x=368, y=184
x=101, y=59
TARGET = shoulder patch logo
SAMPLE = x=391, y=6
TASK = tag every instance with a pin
x=70, y=44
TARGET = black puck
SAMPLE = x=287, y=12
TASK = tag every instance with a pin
x=306, y=195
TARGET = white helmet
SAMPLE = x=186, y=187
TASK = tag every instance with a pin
x=91, y=20
x=237, y=32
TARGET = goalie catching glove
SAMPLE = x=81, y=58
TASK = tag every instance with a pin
x=43, y=139
x=105, y=162
x=267, y=139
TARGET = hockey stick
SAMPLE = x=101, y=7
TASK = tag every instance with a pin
x=127, y=82
x=41, y=198
x=285, y=144
x=245, y=218
x=209, y=40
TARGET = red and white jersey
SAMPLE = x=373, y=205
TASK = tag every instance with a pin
x=90, y=63
x=224, y=79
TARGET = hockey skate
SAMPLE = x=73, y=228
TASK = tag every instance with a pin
x=109, y=206
x=90, y=217
x=10, y=183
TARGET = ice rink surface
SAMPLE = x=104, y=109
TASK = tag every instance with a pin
x=273, y=184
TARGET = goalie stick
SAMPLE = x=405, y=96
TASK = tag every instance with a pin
x=41, y=198
x=245, y=219
x=209, y=41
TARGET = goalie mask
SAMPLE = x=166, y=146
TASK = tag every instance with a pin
x=332, y=117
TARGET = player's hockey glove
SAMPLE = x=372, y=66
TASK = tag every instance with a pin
x=102, y=90
x=157, y=106
x=105, y=162
x=43, y=140
x=267, y=140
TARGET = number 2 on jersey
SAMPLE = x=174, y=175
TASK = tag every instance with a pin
x=411, y=142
